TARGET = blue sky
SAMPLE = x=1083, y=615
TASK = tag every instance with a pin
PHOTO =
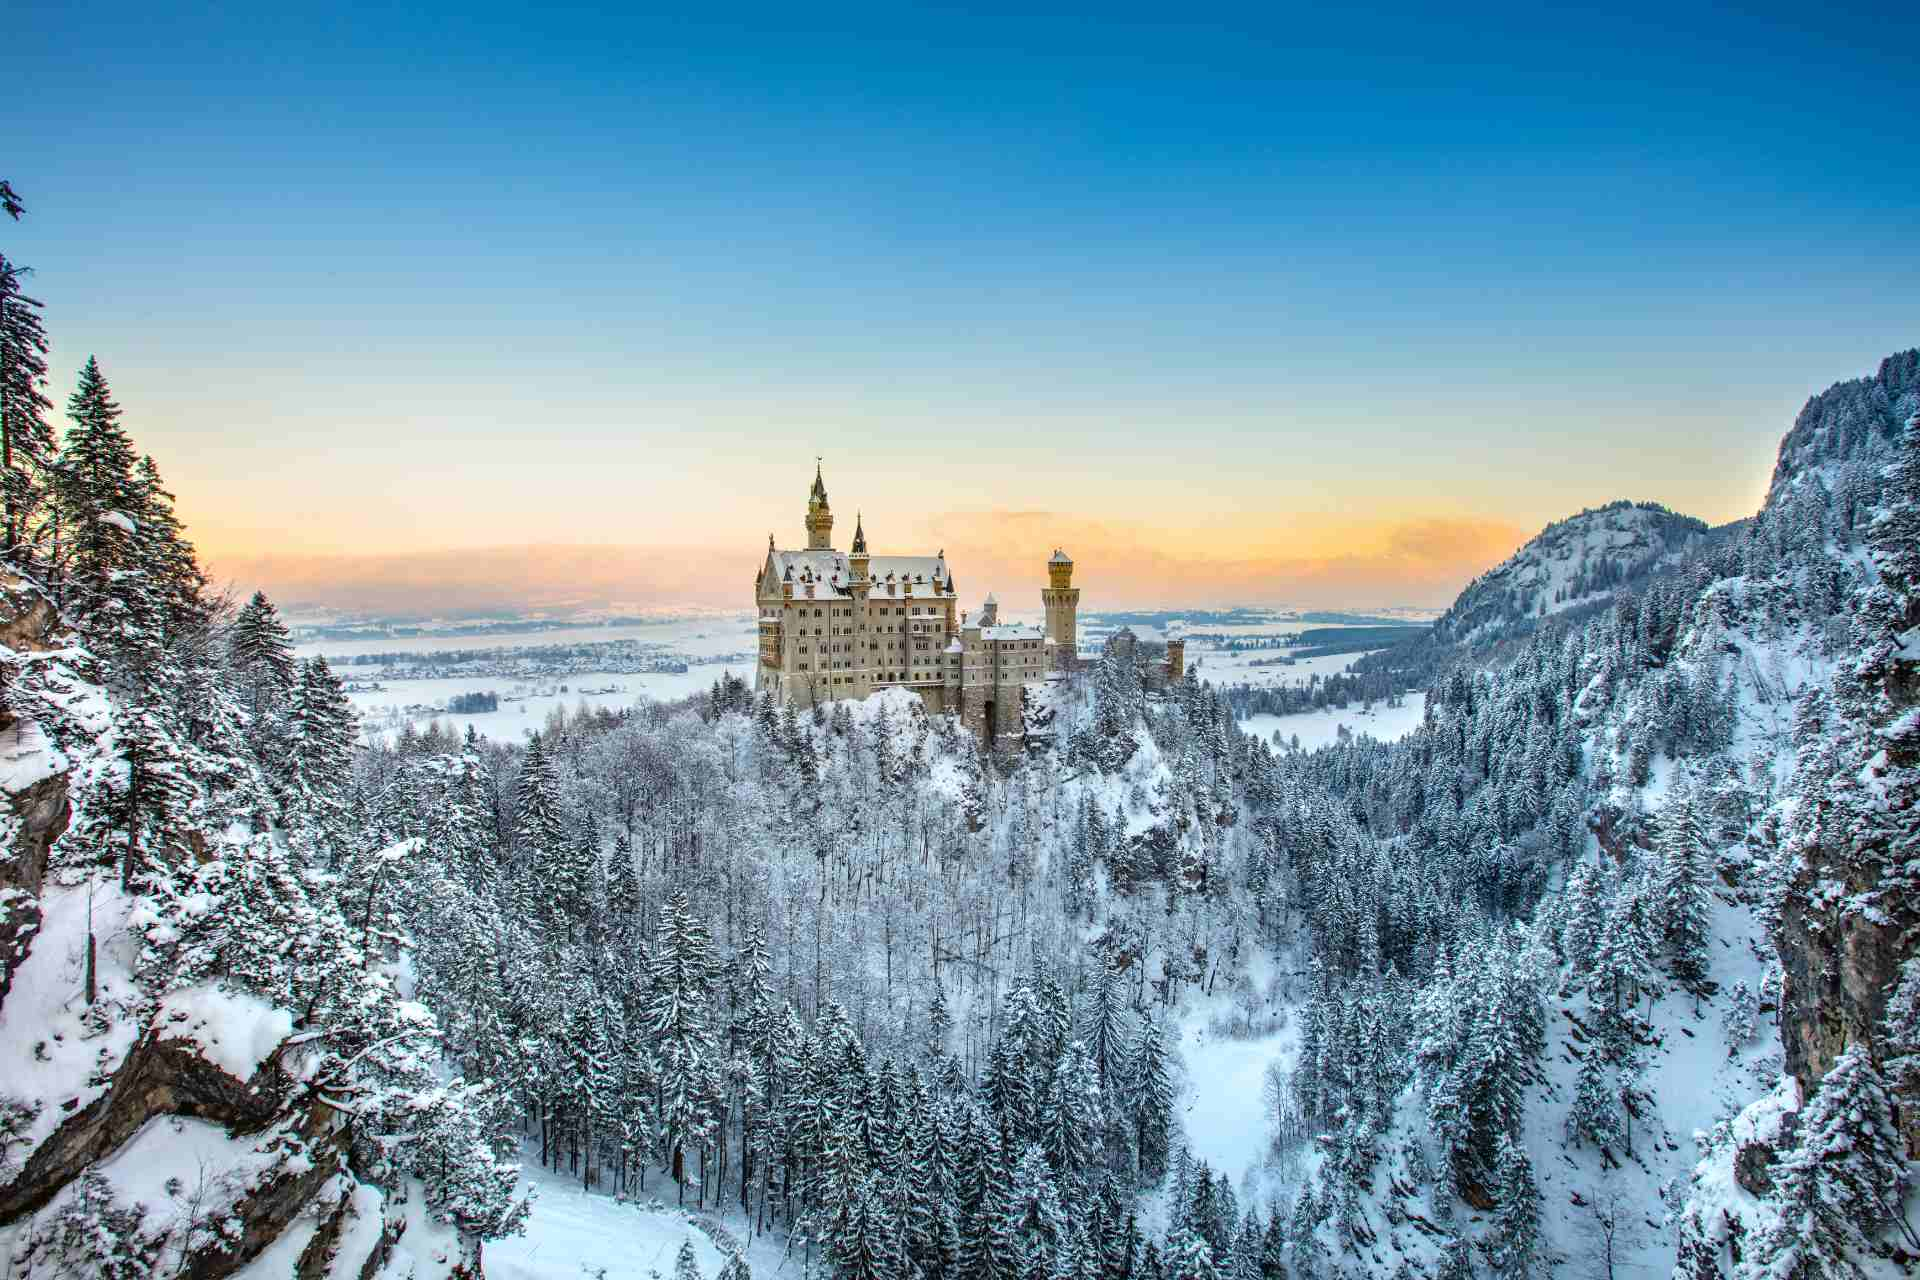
x=390, y=278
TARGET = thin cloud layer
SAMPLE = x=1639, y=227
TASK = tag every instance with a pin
x=1422, y=561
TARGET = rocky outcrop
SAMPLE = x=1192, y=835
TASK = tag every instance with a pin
x=161, y=1077
x=41, y=813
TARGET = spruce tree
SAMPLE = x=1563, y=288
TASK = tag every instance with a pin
x=1681, y=895
x=1840, y=1181
x=96, y=494
x=680, y=1018
x=27, y=446
x=1513, y=1247
x=1150, y=1077
x=1595, y=1113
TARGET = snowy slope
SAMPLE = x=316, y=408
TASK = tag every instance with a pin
x=574, y=1233
x=1572, y=562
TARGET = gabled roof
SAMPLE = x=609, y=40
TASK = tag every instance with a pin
x=892, y=577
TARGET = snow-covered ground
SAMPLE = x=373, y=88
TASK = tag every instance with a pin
x=1224, y=667
x=1224, y=1111
x=527, y=702
x=692, y=636
x=573, y=1234
x=421, y=701
x=1320, y=728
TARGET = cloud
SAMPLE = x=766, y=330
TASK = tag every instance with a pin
x=1423, y=561
x=1419, y=561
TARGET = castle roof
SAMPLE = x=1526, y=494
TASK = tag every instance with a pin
x=1011, y=631
x=890, y=577
x=1060, y=557
x=819, y=493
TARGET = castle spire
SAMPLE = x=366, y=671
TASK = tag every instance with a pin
x=859, y=536
x=819, y=514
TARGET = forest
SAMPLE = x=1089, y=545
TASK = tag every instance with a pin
x=847, y=979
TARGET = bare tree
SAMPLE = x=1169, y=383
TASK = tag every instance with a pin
x=1613, y=1230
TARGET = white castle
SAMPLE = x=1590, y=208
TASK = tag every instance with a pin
x=843, y=624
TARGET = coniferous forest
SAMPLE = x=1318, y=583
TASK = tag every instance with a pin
x=1607, y=968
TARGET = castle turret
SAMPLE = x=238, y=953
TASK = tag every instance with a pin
x=857, y=559
x=1062, y=602
x=819, y=515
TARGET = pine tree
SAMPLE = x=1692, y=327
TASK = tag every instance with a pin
x=1106, y=1032
x=1595, y=1113
x=261, y=656
x=1151, y=1085
x=321, y=727
x=1513, y=1247
x=539, y=829
x=1190, y=1257
x=685, y=1265
x=1840, y=1182
x=96, y=493
x=939, y=1024
x=866, y=1245
x=26, y=440
x=1681, y=897
x=680, y=1018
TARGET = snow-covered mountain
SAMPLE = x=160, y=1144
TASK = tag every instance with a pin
x=838, y=986
x=1575, y=562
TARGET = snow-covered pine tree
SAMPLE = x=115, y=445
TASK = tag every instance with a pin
x=1513, y=1247
x=1682, y=897
x=260, y=654
x=1838, y=1184
x=680, y=1019
x=27, y=446
x=1150, y=1085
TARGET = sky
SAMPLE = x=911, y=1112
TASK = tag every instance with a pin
x=435, y=308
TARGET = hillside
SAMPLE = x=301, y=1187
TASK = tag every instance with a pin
x=839, y=988
x=1578, y=561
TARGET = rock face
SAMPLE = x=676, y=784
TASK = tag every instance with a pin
x=98, y=1091
x=29, y=627
x=1851, y=915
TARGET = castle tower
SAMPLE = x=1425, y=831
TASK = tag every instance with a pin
x=857, y=560
x=1062, y=601
x=1176, y=660
x=819, y=515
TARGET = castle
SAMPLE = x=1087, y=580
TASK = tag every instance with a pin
x=843, y=624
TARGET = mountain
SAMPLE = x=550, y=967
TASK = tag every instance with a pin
x=1572, y=563
x=1608, y=961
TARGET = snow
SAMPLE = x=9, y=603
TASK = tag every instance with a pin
x=1223, y=1111
x=1322, y=728
x=235, y=1032
x=571, y=1233
x=26, y=757
x=527, y=701
x=50, y=1058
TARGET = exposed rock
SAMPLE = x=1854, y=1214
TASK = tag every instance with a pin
x=42, y=811
x=161, y=1077
x=1753, y=1161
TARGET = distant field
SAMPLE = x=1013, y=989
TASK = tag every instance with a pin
x=1318, y=642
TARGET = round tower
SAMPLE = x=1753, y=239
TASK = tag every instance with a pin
x=819, y=515
x=1062, y=602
